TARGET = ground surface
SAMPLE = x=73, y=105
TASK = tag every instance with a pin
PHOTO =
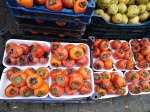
x=133, y=103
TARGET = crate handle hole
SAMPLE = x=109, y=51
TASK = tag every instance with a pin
x=95, y=96
x=92, y=4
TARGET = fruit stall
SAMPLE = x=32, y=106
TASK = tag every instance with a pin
x=76, y=51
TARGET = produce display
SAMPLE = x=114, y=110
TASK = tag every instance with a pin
x=141, y=49
x=24, y=83
x=26, y=53
x=110, y=84
x=79, y=6
x=124, y=11
x=122, y=55
x=102, y=55
x=69, y=55
x=138, y=81
x=71, y=83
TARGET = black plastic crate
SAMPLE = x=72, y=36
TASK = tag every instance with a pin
x=102, y=29
x=50, y=27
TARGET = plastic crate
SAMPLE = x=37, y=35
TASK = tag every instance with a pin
x=100, y=28
x=50, y=27
x=40, y=12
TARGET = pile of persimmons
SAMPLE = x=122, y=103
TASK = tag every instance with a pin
x=79, y=6
x=28, y=82
x=68, y=55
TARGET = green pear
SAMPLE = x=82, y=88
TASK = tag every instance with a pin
x=99, y=12
x=123, y=1
x=131, y=2
x=124, y=19
x=117, y=18
x=148, y=6
x=107, y=17
x=103, y=4
x=134, y=20
x=122, y=8
x=144, y=16
x=133, y=11
x=142, y=8
x=114, y=2
x=112, y=9
x=142, y=1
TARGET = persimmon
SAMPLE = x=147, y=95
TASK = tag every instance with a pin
x=42, y=90
x=128, y=55
x=121, y=64
x=119, y=54
x=76, y=81
x=145, y=86
x=30, y=70
x=96, y=43
x=26, y=3
x=85, y=72
x=130, y=65
x=144, y=41
x=25, y=91
x=11, y=71
x=121, y=91
x=105, y=75
x=138, y=56
x=119, y=81
x=132, y=76
x=135, y=88
x=80, y=6
x=84, y=48
x=105, y=83
x=108, y=64
x=112, y=89
x=34, y=81
x=145, y=50
x=97, y=78
x=18, y=79
x=113, y=76
x=56, y=90
x=76, y=53
x=135, y=42
x=61, y=23
x=55, y=62
x=104, y=45
x=43, y=72
x=116, y=44
x=125, y=46
x=104, y=55
x=143, y=64
x=61, y=54
x=148, y=58
x=55, y=72
x=11, y=90
x=98, y=64
x=136, y=49
x=100, y=91
x=144, y=75
x=68, y=47
x=55, y=46
x=62, y=80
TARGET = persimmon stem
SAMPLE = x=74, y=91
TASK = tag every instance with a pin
x=82, y=4
x=52, y=2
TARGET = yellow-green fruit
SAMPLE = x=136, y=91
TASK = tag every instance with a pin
x=112, y=9
x=114, y=2
x=144, y=16
x=122, y=8
x=99, y=12
x=132, y=11
x=134, y=20
x=103, y=3
x=123, y=1
x=124, y=19
x=131, y=2
x=148, y=6
x=142, y=8
x=107, y=17
x=117, y=18
x=142, y=1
